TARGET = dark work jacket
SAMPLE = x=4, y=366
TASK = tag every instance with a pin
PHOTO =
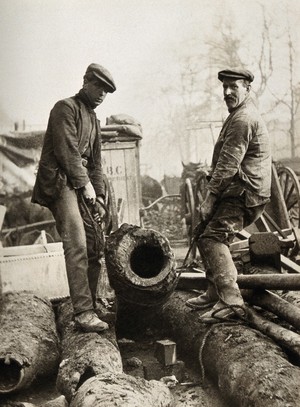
x=71, y=126
x=241, y=160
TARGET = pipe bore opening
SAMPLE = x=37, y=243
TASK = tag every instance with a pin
x=147, y=261
x=10, y=375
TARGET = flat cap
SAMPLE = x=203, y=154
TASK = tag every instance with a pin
x=103, y=75
x=236, y=73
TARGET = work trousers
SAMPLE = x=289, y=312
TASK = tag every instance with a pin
x=230, y=216
x=81, y=256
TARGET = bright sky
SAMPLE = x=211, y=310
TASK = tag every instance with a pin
x=46, y=46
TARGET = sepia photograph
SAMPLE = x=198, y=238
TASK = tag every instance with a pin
x=150, y=203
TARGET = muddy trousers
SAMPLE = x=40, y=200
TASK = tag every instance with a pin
x=82, y=261
x=230, y=217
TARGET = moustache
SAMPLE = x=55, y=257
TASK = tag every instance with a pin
x=229, y=98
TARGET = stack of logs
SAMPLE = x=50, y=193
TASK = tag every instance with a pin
x=251, y=369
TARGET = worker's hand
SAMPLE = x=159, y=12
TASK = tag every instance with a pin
x=89, y=193
x=100, y=210
x=207, y=206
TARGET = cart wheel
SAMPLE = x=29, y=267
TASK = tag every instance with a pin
x=189, y=214
x=200, y=193
x=171, y=208
x=291, y=192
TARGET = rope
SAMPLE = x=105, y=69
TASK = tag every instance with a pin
x=200, y=354
x=225, y=321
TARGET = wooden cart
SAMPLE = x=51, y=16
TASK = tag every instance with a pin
x=281, y=214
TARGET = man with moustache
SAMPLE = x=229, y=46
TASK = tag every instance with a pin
x=70, y=178
x=237, y=192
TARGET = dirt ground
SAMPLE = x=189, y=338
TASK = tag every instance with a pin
x=138, y=360
x=190, y=392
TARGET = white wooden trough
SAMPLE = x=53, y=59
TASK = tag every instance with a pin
x=39, y=268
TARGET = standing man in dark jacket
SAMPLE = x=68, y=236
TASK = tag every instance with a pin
x=237, y=192
x=70, y=178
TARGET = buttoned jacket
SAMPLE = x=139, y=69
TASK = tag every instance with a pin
x=241, y=159
x=72, y=126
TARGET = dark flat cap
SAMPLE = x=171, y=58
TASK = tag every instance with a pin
x=236, y=73
x=103, y=75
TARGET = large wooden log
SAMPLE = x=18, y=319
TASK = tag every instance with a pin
x=91, y=372
x=250, y=369
x=141, y=265
x=142, y=270
x=28, y=340
x=122, y=390
x=83, y=354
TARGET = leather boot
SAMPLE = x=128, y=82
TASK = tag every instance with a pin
x=217, y=257
x=88, y=321
x=209, y=298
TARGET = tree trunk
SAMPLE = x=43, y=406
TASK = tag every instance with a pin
x=122, y=390
x=28, y=341
x=91, y=372
x=250, y=369
x=275, y=304
x=141, y=265
x=84, y=354
x=142, y=270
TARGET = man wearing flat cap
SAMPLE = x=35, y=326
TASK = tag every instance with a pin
x=70, y=183
x=237, y=191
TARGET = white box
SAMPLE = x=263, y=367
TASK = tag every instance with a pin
x=37, y=268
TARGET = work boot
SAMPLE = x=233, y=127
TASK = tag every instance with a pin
x=88, y=321
x=107, y=315
x=209, y=298
x=217, y=259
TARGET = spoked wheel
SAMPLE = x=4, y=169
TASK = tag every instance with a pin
x=291, y=192
x=189, y=213
x=200, y=193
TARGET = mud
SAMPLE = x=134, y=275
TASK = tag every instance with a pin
x=136, y=353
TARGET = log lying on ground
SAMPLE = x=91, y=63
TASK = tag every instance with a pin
x=284, y=337
x=275, y=304
x=91, y=370
x=28, y=341
x=197, y=281
x=122, y=390
x=250, y=369
x=292, y=297
x=141, y=269
x=83, y=354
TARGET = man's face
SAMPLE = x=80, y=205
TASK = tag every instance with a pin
x=95, y=91
x=235, y=92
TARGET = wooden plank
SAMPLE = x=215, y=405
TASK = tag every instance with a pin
x=2, y=214
x=30, y=249
x=289, y=265
x=121, y=165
